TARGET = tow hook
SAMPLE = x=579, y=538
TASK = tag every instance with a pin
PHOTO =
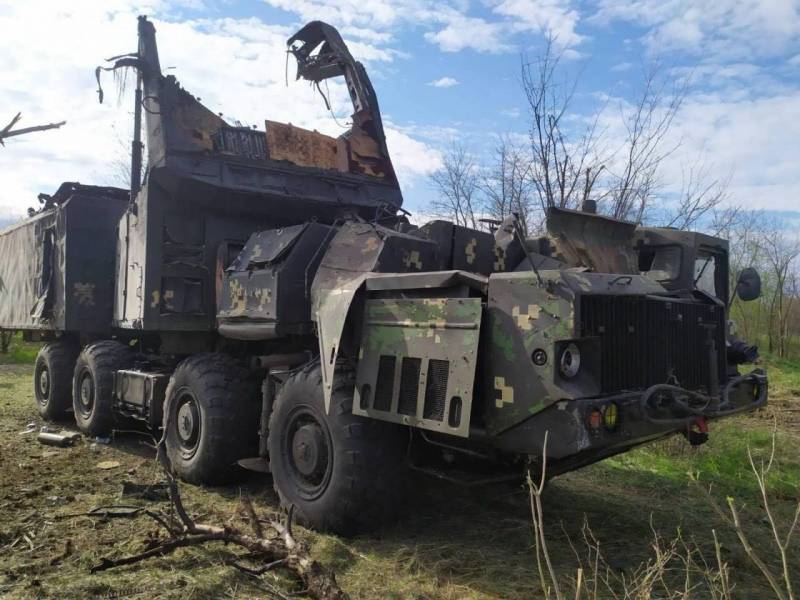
x=696, y=432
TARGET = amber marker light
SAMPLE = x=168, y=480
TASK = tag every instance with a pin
x=611, y=416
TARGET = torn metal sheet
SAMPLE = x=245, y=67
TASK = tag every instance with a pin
x=600, y=243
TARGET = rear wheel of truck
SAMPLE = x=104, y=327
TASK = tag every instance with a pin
x=93, y=385
x=341, y=472
x=211, y=416
x=52, y=378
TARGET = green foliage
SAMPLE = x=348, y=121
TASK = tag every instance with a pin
x=20, y=352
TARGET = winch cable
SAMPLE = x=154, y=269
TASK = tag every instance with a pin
x=693, y=412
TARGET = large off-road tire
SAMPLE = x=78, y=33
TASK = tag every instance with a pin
x=341, y=472
x=93, y=385
x=52, y=378
x=211, y=417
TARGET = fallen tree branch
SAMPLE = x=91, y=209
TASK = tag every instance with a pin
x=284, y=551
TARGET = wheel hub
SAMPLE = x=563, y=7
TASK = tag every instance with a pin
x=309, y=450
x=86, y=396
x=188, y=423
x=44, y=383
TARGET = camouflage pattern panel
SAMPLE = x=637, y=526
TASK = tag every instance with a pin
x=473, y=251
x=461, y=248
x=441, y=233
x=356, y=250
x=529, y=327
x=417, y=362
x=508, y=251
x=268, y=280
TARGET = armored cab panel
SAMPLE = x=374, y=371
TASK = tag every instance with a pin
x=266, y=292
x=57, y=267
x=461, y=248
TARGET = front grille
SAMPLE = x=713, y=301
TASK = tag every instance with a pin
x=646, y=340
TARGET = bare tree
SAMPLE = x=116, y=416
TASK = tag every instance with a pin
x=9, y=131
x=701, y=197
x=780, y=254
x=636, y=179
x=456, y=184
x=565, y=163
x=507, y=185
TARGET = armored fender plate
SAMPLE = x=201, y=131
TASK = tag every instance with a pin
x=417, y=362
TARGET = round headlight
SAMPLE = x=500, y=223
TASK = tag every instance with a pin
x=570, y=362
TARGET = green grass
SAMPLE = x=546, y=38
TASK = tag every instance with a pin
x=20, y=352
x=453, y=543
x=784, y=374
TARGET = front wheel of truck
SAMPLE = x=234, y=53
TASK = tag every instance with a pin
x=341, y=472
x=210, y=418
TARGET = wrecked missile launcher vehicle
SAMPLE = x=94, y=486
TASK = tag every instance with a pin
x=270, y=307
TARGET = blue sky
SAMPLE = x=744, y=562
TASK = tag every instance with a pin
x=741, y=116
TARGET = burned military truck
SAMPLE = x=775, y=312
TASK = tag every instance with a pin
x=262, y=298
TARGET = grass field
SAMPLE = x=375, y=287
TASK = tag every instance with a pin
x=455, y=542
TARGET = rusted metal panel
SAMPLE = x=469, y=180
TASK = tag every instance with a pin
x=301, y=147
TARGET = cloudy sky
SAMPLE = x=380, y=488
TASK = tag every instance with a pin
x=444, y=71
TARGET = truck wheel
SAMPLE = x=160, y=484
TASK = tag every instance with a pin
x=93, y=385
x=211, y=417
x=52, y=378
x=341, y=472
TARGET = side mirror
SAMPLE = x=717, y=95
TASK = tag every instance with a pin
x=748, y=286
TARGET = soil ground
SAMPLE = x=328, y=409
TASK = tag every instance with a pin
x=452, y=543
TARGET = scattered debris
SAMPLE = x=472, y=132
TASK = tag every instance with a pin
x=62, y=440
x=283, y=551
x=29, y=428
x=154, y=492
x=102, y=440
x=108, y=464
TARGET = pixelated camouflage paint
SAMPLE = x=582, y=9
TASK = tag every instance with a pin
x=525, y=315
x=426, y=328
x=357, y=250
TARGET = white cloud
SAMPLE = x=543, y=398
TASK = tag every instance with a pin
x=411, y=156
x=237, y=66
x=752, y=142
x=621, y=67
x=733, y=29
x=444, y=82
x=448, y=23
x=553, y=17
x=461, y=32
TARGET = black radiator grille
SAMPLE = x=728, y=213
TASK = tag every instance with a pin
x=384, y=386
x=646, y=340
x=409, y=386
x=436, y=389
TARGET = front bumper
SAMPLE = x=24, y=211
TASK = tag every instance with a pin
x=578, y=433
